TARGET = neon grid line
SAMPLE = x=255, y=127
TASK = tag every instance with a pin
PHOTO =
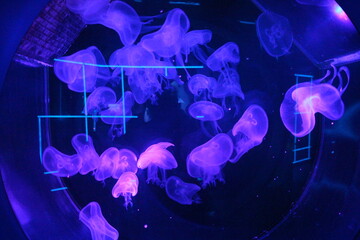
x=58, y=189
x=186, y=3
x=247, y=22
x=200, y=116
x=308, y=147
x=51, y=172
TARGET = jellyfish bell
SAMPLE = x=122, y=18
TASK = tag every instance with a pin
x=76, y=74
x=93, y=218
x=91, y=11
x=206, y=111
x=117, y=109
x=227, y=54
x=60, y=164
x=192, y=42
x=85, y=150
x=182, y=192
x=249, y=131
x=126, y=162
x=156, y=158
x=107, y=166
x=127, y=187
x=275, y=34
x=200, y=84
x=100, y=99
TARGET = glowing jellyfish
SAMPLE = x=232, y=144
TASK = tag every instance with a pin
x=206, y=111
x=274, y=33
x=126, y=162
x=249, y=131
x=157, y=158
x=91, y=11
x=100, y=229
x=320, y=3
x=60, y=164
x=167, y=41
x=191, y=42
x=100, y=99
x=182, y=192
x=107, y=165
x=225, y=55
x=117, y=109
x=127, y=187
x=214, y=152
x=143, y=82
x=75, y=75
x=124, y=20
x=201, y=85
x=86, y=152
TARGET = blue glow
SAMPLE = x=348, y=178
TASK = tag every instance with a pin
x=51, y=172
x=200, y=116
x=123, y=94
x=40, y=139
x=83, y=116
x=58, y=189
x=303, y=75
x=186, y=3
x=85, y=104
x=303, y=148
x=246, y=22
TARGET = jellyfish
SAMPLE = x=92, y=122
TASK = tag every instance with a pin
x=100, y=229
x=207, y=111
x=157, y=158
x=249, y=131
x=275, y=34
x=117, y=109
x=201, y=86
x=126, y=162
x=167, y=41
x=124, y=20
x=80, y=77
x=191, y=42
x=319, y=3
x=182, y=192
x=85, y=149
x=127, y=187
x=60, y=164
x=225, y=55
x=100, y=99
x=91, y=11
x=228, y=85
x=303, y=100
x=142, y=81
x=107, y=165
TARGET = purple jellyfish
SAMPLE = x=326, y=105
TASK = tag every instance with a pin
x=182, y=192
x=303, y=100
x=249, y=131
x=86, y=152
x=191, y=42
x=143, y=82
x=60, y=164
x=124, y=20
x=100, y=99
x=107, y=165
x=73, y=74
x=91, y=11
x=201, y=86
x=206, y=111
x=100, y=229
x=126, y=162
x=214, y=152
x=117, y=110
x=127, y=187
x=156, y=158
x=167, y=41
x=274, y=33
x=223, y=56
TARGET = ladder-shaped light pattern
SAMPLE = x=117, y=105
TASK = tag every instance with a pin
x=307, y=148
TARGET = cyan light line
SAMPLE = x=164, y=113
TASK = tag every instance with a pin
x=83, y=116
x=301, y=160
x=303, y=75
x=303, y=148
x=58, y=189
x=185, y=3
x=40, y=139
x=199, y=116
x=85, y=104
x=51, y=172
x=166, y=72
x=124, y=66
x=123, y=102
x=246, y=22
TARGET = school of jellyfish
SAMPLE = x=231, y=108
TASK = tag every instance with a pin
x=150, y=63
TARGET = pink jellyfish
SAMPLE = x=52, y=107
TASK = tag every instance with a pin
x=127, y=187
x=106, y=168
x=86, y=152
x=100, y=229
x=126, y=162
x=60, y=164
x=73, y=74
x=249, y=131
x=182, y=192
x=225, y=55
x=100, y=99
x=91, y=11
x=209, y=175
x=117, y=110
x=303, y=100
x=157, y=158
